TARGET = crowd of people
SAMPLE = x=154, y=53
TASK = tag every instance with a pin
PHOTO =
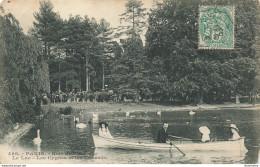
x=62, y=97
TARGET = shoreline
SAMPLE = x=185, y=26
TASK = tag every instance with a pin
x=15, y=135
x=146, y=107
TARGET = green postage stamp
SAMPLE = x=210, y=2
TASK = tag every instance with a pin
x=216, y=27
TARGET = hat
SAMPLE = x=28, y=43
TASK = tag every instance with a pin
x=103, y=122
x=204, y=130
x=233, y=126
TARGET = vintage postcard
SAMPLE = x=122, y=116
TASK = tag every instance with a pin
x=129, y=82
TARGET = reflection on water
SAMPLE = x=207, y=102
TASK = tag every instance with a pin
x=63, y=136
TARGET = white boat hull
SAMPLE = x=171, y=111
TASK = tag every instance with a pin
x=238, y=145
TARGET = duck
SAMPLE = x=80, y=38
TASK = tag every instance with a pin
x=158, y=113
x=16, y=126
x=37, y=141
x=192, y=112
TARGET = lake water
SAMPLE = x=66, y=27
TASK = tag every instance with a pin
x=62, y=142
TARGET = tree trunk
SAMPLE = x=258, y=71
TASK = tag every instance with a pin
x=87, y=76
x=199, y=99
x=237, y=98
x=93, y=85
x=59, y=75
x=133, y=18
x=103, y=77
x=80, y=79
x=45, y=50
x=88, y=82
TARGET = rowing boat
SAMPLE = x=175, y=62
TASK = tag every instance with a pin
x=232, y=145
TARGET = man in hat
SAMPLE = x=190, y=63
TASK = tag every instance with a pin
x=103, y=130
x=162, y=134
x=234, y=131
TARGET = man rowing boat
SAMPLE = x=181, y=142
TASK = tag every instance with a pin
x=162, y=134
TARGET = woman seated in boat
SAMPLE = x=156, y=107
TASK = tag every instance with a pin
x=234, y=131
x=103, y=130
x=204, y=130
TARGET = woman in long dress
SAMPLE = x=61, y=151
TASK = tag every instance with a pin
x=204, y=130
x=104, y=131
x=234, y=131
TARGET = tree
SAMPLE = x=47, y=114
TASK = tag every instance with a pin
x=105, y=40
x=24, y=73
x=80, y=45
x=47, y=26
x=133, y=18
x=172, y=40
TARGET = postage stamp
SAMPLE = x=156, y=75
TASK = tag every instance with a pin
x=216, y=27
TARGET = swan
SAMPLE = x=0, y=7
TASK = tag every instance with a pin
x=79, y=125
x=127, y=114
x=16, y=126
x=76, y=120
x=192, y=112
x=37, y=141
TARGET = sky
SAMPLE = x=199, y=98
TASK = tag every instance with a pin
x=108, y=9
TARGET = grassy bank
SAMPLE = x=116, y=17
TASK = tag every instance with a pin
x=124, y=107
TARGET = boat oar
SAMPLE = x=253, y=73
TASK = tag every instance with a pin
x=179, y=137
x=176, y=147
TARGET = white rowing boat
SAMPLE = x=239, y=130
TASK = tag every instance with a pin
x=233, y=145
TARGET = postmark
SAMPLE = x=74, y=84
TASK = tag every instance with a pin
x=216, y=27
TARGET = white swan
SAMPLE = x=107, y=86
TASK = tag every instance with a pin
x=37, y=141
x=192, y=112
x=79, y=125
x=127, y=114
x=76, y=120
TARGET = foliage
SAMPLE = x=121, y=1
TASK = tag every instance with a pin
x=23, y=72
x=172, y=38
x=47, y=27
x=133, y=18
x=66, y=110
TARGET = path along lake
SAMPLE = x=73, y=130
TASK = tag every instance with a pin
x=62, y=142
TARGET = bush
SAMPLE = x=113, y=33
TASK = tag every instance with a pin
x=65, y=111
